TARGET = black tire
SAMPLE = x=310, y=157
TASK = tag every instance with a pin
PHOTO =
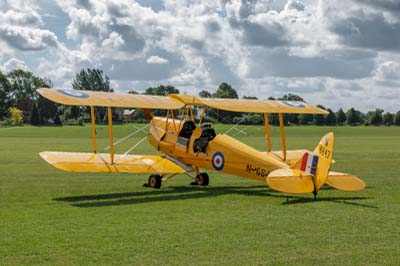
x=154, y=181
x=202, y=179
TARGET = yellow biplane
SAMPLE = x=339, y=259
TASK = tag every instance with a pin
x=189, y=147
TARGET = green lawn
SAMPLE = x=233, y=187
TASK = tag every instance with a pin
x=49, y=217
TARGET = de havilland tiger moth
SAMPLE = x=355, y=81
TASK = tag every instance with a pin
x=190, y=147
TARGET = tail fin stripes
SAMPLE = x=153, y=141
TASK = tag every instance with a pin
x=318, y=163
x=309, y=163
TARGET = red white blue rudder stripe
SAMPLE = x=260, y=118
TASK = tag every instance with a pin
x=309, y=163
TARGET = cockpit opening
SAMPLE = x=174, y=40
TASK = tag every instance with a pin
x=200, y=144
x=187, y=129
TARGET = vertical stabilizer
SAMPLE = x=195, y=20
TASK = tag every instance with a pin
x=318, y=163
x=324, y=151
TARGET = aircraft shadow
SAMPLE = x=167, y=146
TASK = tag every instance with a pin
x=173, y=193
x=343, y=200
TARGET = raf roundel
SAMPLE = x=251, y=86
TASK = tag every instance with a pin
x=294, y=104
x=218, y=161
x=74, y=93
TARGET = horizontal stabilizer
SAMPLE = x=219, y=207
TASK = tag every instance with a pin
x=290, y=181
x=344, y=181
x=101, y=162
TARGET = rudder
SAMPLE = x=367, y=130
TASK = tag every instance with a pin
x=318, y=163
x=324, y=151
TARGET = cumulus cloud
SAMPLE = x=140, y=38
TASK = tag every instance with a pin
x=368, y=30
x=392, y=6
x=154, y=59
x=24, y=38
x=388, y=74
x=14, y=63
x=114, y=41
x=388, y=70
x=326, y=51
x=15, y=17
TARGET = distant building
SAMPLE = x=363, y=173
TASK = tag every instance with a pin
x=128, y=115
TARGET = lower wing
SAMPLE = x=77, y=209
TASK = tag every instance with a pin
x=101, y=162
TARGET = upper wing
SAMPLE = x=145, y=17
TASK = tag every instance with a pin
x=262, y=106
x=174, y=101
x=249, y=105
x=100, y=162
x=107, y=99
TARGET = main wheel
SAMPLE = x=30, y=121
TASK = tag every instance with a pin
x=202, y=179
x=154, y=181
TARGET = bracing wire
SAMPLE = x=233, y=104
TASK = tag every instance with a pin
x=142, y=129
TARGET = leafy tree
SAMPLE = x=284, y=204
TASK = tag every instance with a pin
x=375, y=117
x=250, y=97
x=161, y=90
x=274, y=119
x=306, y=119
x=93, y=80
x=5, y=88
x=35, y=119
x=397, y=119
x=24, y=85
x=388, y=119
x=319, y=119
x=23, y=93
x=361, y=116
x=249, y=119
x=292, y=97
x=330, y=119
x=57, y=120
x=205, y=94
x=340, y=117
x=71, y=112
x=47, y=109
x=225, y=91
x=353, y=117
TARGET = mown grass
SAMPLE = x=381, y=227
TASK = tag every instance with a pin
x=49, y=217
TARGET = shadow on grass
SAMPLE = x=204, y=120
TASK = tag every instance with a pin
x=343, y=200
x=193, y=192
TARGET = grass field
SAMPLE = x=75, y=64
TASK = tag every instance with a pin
x=49, y=217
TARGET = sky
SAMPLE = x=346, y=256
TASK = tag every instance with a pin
x=340, y=54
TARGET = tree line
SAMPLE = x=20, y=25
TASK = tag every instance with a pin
x=20, y=103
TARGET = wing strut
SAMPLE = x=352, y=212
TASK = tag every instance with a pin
x=282, y=136
x=110, y=133
x=93, y=128
x=267, y=131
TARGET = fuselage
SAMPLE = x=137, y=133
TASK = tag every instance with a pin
x=219, y=152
